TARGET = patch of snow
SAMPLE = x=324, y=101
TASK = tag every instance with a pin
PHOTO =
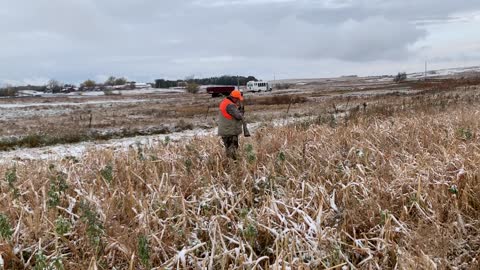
x=151, y=91
x=444, y=72
x=56, y=104
x=87, y=93
x=30, y=93
x=380, y=92
x=18, y=113
x=79, y=149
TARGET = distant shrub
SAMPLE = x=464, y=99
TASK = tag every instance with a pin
x=89, y=84
x=282, y=86
x=109, y=92
x=115, y=81
x=8, y=92
x=54, y=86
x=401, y=76
x=192, y=88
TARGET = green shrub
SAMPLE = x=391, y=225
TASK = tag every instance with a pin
x=58, y=186
x=465, y=134
x=62, y=226
x=251, y=157
x=6, y=230
x=95, y=228
x=11, y=179
x=192, y=88
x=144, y=250
x=107, y=173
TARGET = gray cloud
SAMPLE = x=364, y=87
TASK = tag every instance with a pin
x=75, y=39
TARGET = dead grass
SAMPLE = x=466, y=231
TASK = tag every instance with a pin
x=48, y=137
x=445, y=84
x=394, y=186
x=276, y=100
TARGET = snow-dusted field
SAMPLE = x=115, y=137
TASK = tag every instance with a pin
x=120, y=145
x=79, y=149
x=445, y=72
x=32, y=93
x=37, y=112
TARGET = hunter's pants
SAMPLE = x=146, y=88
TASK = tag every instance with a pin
x=231, y=146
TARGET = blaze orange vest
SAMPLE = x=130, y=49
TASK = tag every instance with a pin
x=223, y=108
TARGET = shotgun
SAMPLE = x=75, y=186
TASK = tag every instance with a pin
x=246, y=132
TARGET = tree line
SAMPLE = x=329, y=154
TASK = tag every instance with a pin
x=222, y=80
x=55, y=86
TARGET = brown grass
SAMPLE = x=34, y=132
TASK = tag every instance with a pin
x=276, y=100
x=445, y=84
x=395, y=186
x=55, y=137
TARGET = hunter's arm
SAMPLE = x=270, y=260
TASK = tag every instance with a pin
x=234, y=112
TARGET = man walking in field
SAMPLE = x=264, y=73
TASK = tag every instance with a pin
x=230, y=122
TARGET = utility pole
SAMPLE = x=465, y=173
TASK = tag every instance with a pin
x=425, y=70
x=274, y=80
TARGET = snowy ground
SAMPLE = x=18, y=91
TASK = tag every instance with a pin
x=58, y=104
x=32, y=93
x=120, y=145
x=79, y=149
x=444, y=72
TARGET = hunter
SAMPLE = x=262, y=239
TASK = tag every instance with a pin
x=230, y=123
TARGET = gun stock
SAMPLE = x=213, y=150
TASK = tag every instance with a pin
x=246, y=132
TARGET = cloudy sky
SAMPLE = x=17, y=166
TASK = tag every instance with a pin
x=72, y=40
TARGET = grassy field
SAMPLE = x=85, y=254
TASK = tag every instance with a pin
x=43, y=121
x=391, y=186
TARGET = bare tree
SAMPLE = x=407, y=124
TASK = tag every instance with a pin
x=54, y=86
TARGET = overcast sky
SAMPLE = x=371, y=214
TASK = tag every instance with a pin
x=73, y=40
